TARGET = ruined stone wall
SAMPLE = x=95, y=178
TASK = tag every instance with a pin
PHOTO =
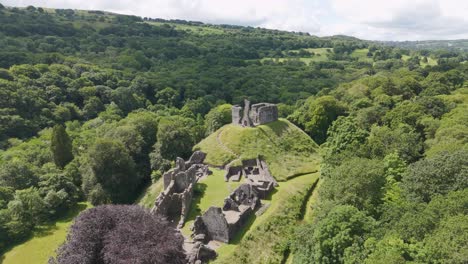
x=164, y=201
x=243, y=217
x=216, y=224
x=174, y=202
x=264, y=113
x=254, y=115
x=222, y=224
x=233, y=173
x=246, y=121
x=185, y=202
x=236, y=112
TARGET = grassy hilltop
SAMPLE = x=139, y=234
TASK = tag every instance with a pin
x=289, y=152
x=286, y=148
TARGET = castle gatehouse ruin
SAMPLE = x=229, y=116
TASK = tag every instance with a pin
x=255, y=115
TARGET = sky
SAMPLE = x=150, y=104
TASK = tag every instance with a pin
x=365, y=19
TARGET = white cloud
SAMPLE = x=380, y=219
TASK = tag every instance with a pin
x=403, y=19
x=369, y=19
x=279, y=14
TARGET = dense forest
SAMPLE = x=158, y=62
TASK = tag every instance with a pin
x=95, y=106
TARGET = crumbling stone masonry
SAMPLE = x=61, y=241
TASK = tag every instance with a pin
x=257, y=114
x=221, y=224
x=174, y=202
x=200, y=253
x=256, y=173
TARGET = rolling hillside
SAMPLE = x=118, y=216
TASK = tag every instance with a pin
x=287, y=149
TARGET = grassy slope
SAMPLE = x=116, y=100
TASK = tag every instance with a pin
x=309, y=212
x=149, y=196
x=308, y=216
x=266, y=240
x=44, y=242
x=286, y=148
x=287, y=151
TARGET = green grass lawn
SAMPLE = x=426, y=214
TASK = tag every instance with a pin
x=211, y=191
x=286, y=148
x=361, y=54
x=45, y=241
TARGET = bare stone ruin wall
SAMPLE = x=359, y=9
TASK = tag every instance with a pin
x=256, y=173
x=267, y=114
x=257, y=114
x=216, y=224
x=236, y=115
x=236, y=226
x=222, y=224
x=174, y=202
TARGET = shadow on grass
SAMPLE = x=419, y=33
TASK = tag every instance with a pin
x=279, y=127
x=246, y=227
x=267, y=136
x=47, y=228
x=270, y=194
x=50, y=227
x=198, y=193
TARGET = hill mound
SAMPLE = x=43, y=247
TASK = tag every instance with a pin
x=286, y=148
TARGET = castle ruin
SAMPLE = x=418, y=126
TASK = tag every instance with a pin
x=255, y=115
x=255, y=172
x=221, y=224
x=218, y=223
x=174, y=202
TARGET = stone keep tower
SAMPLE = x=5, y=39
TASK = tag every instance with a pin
x=257, y=114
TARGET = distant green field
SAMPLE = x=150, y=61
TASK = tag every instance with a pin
x=200, y=30
x=44, y=243
x=286, y=148
x=361, y=54
x=430, y=61
x=320, y=55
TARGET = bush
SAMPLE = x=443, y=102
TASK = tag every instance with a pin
x=120, y=234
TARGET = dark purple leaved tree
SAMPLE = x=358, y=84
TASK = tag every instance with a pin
x=114, y=234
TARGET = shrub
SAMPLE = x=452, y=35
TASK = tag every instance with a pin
x=120, y=234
